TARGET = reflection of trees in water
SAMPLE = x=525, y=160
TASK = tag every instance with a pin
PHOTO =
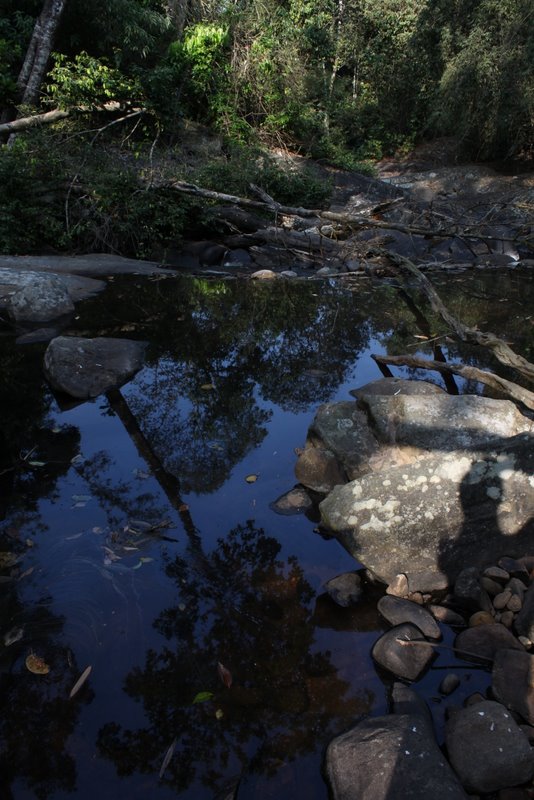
x=199, y=405
x=246, y=608
x=36, y=716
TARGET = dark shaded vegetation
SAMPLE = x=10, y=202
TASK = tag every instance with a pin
x=341, y=82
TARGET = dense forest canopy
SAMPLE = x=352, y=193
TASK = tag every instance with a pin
x=346, y=81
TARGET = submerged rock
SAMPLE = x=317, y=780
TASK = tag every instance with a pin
x=397, y=610
x=85, y=368
x=345, y=589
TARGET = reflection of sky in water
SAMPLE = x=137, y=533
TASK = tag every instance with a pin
x=106, y=608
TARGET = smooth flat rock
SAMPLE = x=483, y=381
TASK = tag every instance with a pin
x=404, y=661
x=390, y=758
x=487, y=749
x=93, y=264
x=396, y=610
x=395, y=386
x=486, y=640
x=445, y=422
x=15, y=279
x=511, y=682
x=85, y=368
x=440, y=513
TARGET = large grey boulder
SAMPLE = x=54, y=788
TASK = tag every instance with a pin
x=440, y=513
x=390, y=758
x=45, y=298
x=511, y=682
x=85, y=368
x=444, y=422
x=36, y=296
x=487, y=749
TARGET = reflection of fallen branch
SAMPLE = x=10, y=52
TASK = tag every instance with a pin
x=500, y=348
x=508, y=388
x=461, y=653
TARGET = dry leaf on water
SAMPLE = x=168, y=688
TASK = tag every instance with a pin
x=36, y=665
x=225, y=675
x=168, y=755
x=251, y=478
x=80, y=682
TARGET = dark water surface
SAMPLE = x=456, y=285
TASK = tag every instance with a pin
x=132, y=542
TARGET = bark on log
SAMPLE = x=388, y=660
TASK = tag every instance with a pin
x=23, y=123
x=357, y=221
x=508, y=388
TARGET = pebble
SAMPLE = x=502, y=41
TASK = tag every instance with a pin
x=447, y=615
x=507, y=618
x=525, y=641
x=481, y=618
x=398, y=586
x=514, y=604
x=492, y=587
x=497, y=574
x=501, y=600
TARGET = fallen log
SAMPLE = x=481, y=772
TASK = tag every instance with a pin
x=501, y=350
x=357, y=221
x=508, y=388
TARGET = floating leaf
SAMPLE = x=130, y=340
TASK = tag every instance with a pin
x=251, y=478
x=224, y=674
x=203, y=697
x=36, y=665
x=80, y=682
x=219, y=714
x=145, y=559
x=76, y=459
x=26, y=573
x=37, y=463
x=138, y=565
x=207, y=387
x=167, y=760
x=12, y=636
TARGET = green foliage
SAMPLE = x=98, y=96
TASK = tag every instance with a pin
x=200, y=65
x=487, y=87
x=30, y=214
x=88, y=82
x=247, y=165
x=118, y=213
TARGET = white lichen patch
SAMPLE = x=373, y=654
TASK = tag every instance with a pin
x=454, y=471
x=435, y=479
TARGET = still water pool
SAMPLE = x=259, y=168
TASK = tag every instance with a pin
x=137, y=538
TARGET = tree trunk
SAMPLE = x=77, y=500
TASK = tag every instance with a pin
x=34, y=67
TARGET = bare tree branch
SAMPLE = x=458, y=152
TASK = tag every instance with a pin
x=508, y=388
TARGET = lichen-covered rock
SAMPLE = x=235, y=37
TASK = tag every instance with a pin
x=85, y=368
x=440, y=513
x=44, y=299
